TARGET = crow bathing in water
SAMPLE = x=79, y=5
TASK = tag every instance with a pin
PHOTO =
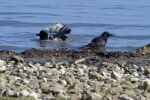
x=54, y=32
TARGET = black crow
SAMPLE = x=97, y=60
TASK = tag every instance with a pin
x=98, y=42
x=55, y=31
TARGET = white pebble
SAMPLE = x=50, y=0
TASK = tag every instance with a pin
x=35, y=95
x=2, y=62
x=62, y=71
x=26, y=81
x=24, y=93
x=10, y=93
x=115, y=75
x=2, y=68
x=45, y=79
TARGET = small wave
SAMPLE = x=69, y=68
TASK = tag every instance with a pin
x=27, y=13
x=21, y=23
x=125, y=48
x=107, y=25
x=133, y=37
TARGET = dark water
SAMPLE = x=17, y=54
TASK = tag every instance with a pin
x=20, y=20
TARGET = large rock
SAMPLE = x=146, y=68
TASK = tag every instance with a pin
x=146, y=85
x=3, y=81
x=17, y=59
x=2, y=62
x=2, y=65
x=45, y=87
x=144, y=49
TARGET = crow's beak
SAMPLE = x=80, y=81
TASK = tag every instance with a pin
x=111, y=34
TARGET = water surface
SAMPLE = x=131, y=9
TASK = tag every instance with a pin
x=20, y=20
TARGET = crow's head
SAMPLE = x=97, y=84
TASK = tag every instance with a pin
x=43, y=35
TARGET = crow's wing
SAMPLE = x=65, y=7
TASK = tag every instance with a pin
x=99, y=41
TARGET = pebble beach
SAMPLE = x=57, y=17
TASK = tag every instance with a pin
x=62, y=74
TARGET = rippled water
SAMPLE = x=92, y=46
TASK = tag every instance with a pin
x=20, y=20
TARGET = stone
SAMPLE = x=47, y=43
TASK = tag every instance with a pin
x=115, y=90
x=45, y=87
x=57, y=89
x=121, y=63
x=24, y=93
x=2, y=62
x=133, y=79
x=3, y=81
x=9, y=92
x=146, y=84
x=78, y=87
x=48, y=65
x=95, y=96
x=32, y=66
x=147, y=71
x=2, y=68
x=115, y=75
x=33, y=94
x=17, y=59
x=63, y=82
x=25, y=81
x=135, y=74
x=125, y=97
x=34, y=84
x=147, y=95
x=130, y=93
x=62, y=71
x=61, y=96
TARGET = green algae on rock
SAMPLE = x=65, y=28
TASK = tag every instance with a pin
x=144, y=49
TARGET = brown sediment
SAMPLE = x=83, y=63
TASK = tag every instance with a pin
x=43, y=55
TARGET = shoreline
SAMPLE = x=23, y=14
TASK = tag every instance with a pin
x=42, y=74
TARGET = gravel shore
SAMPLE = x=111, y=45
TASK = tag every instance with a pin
x=74, y=75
